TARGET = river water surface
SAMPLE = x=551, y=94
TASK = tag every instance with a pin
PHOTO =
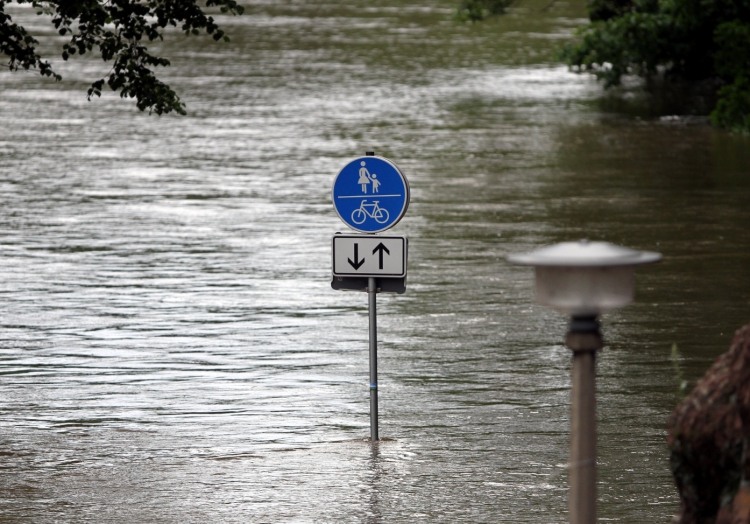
x=170, y=346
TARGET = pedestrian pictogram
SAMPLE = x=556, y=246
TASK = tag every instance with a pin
x=366, y=178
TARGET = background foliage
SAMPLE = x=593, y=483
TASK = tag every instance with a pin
x=687, y=40
x=477, y=10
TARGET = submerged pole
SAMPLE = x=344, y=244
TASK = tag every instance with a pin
x=371, y=294
x=584, y=340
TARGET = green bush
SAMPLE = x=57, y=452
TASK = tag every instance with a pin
x=690, y=40
x=477, y=10
x=733, y=108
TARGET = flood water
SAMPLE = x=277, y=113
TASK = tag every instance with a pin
x=171, y=349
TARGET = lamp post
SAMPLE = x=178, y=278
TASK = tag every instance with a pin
x=584, y=279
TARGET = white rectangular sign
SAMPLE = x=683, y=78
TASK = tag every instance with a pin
x=369, y=256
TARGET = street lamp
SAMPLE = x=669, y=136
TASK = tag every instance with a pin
x=584, y=279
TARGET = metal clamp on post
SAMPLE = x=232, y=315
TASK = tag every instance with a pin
x=583, y=334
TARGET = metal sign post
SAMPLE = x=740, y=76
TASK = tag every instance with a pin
x=370, y=195
x=371, y=294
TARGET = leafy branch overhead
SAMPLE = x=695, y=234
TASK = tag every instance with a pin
x=119, y=31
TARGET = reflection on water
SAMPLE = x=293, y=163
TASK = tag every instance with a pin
x=172, y=351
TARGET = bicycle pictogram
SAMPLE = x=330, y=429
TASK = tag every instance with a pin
x=373, y=210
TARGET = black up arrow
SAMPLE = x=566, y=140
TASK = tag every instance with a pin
x=380, y=247
x=356, y=265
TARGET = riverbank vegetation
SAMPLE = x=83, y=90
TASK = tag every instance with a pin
x=696, y=41
x=703, y=43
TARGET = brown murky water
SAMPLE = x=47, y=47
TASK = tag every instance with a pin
x=171, y=350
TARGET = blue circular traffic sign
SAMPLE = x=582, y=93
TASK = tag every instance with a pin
x=370, y=194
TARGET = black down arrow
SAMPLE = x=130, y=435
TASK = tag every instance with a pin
x=356, y=265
